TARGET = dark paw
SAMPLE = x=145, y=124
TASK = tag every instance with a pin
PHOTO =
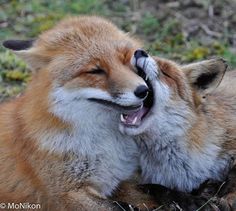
x=230, y=183
x=190, y=202
x=208, y=188
x=222, y=204
x=176, y=200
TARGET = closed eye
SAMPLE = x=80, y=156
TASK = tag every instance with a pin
x=98, y=71
x=164, y=73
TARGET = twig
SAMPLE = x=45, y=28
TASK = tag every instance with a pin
x=220, y=188
x=210, y=32
x=145, y=206
x=177, y=206
x=120, y=206
x=131, y=208
x=158, y=208
x=211, y=197
x=205, y=203
x=211, y=11
x=174, y=4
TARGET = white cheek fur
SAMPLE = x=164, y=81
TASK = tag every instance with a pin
x=94, y=136
x=72, y=105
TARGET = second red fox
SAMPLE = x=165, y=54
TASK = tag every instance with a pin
x=187, y=134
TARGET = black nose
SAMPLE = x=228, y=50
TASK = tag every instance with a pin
x=140, y=53
x=141, y=91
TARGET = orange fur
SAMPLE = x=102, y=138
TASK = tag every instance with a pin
x=63, y=55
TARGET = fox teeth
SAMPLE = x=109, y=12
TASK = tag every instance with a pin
x=122, y=118
x=134, y=121
x=146, y=78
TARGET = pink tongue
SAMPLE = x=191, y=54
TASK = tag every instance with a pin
x=130, y=118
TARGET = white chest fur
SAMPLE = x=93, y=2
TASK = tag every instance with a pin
x=104, y=156
x=167, y=160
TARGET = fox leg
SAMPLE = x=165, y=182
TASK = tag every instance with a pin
x=211, y=195
x=130, y=193
x=228, y=191
x=84, y=200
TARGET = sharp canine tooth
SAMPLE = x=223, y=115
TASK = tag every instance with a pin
x=122, y=118
x=146, y=78
x=135, y=120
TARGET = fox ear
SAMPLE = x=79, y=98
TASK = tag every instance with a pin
x=18, y=45
x=27, y=51
x=205, y=76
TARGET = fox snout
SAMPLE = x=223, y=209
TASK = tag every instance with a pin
x=141, y=91
x=140, y=53
x=136, y=122
x=146, y=66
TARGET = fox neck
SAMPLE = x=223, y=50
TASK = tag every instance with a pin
x=178, y=146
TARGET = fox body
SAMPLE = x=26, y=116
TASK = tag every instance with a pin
x=59, y=142
x=187, y=133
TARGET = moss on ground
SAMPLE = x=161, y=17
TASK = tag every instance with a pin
x=183, y=31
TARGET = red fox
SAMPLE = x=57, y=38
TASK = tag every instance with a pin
x=186, y=130
x=60, y=145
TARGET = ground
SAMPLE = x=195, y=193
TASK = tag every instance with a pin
x=185, y=31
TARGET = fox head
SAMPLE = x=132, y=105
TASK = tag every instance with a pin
x=83, y=61
x=177, y=93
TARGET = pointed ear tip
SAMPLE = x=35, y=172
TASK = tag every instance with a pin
x=222, y=60
x=18, y=45
x=8, y=44
x=218, y=58
x=5, y=43
x=225, y=62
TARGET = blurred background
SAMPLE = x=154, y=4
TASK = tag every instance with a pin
x=185, y=31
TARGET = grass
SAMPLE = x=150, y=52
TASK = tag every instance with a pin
x=163, y=34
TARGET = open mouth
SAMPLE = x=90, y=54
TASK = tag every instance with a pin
x=133, y=108
x=135, y=118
